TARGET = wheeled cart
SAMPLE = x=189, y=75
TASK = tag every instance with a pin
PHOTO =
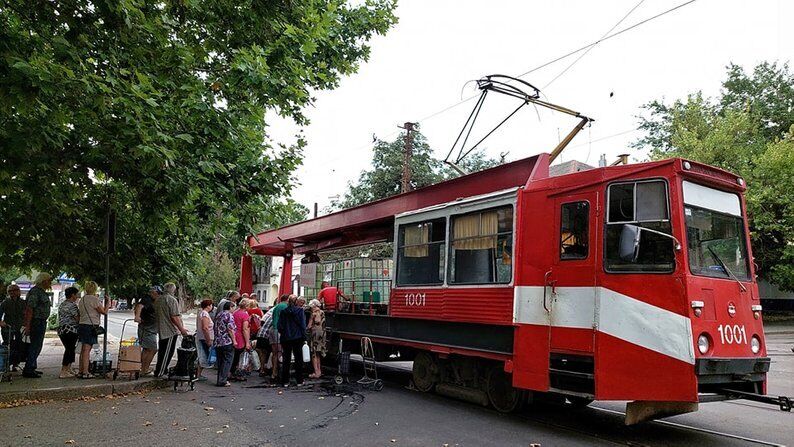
x=129, y=360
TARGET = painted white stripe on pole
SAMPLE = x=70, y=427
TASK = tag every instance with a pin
x=615, y=314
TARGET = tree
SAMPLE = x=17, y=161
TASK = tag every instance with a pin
x=213, y=275
x=157, y=109
x=384, y=179
x=748, y=130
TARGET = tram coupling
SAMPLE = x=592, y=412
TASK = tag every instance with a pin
x=783, y=402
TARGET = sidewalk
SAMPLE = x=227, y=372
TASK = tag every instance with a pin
x=50, y=387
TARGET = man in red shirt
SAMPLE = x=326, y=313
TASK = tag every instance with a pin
x=328, y=296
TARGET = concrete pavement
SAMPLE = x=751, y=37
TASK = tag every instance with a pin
x=50, y=387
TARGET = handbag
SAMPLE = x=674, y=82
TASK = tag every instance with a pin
x=98, y=330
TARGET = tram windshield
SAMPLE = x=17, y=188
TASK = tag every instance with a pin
x=715, y=233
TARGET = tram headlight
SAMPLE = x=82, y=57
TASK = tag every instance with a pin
x=704, y=343
x=755, y=344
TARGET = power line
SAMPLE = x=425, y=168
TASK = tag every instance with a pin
x=567, y=55
x=604, y=138
x=553, y=61
x=640, y=23
x=594, y=45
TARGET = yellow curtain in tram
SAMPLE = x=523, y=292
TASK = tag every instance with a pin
x=467, y=229
x=417, y=234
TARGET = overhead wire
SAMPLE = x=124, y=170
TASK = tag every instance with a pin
x=567, y=55
x=564, y=70
x=552, y=61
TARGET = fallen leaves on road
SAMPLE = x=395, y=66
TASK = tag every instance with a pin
x=208, y=408
x=225, y=426
x=219, y=432
x=23, y=402
x=71, y=441
x=147, y=423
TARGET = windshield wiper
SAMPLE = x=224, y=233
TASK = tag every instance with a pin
x=725, y=267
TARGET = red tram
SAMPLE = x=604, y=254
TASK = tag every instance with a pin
x=629, y=282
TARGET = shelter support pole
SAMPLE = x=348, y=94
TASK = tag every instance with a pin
x=246, y=274
x=285, y=285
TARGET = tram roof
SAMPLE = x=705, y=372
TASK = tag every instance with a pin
x=373, y=222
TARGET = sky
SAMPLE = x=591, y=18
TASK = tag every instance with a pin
x=427, y=61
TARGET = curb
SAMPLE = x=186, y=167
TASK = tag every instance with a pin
x=65, y=393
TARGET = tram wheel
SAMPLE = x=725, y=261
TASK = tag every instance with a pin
x=501, y=393
x=425, y=372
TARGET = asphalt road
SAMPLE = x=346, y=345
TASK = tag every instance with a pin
x=116, y=322
x=317, y=415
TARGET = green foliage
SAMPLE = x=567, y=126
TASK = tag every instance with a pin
x=52, y=321
x=213, y=274
x=748, y=130
x=157, y=109
x=385, y=177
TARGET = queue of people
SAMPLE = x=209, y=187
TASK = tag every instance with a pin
x=278, y=337
x=232, y=336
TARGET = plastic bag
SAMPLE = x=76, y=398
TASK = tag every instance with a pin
x=255, y=363
x=245, y=361
x=212, y=358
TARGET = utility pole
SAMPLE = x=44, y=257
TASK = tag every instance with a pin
x=405, y=184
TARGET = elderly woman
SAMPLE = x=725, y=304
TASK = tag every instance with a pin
x=242, y=337
x=91, y=311
x=38, y=304
x=224, y=328
x=316, y=330
x=204, y=336
x=68, y=319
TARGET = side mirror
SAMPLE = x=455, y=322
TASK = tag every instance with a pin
x=629, y=249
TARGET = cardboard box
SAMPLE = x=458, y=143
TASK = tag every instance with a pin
x=130, y=358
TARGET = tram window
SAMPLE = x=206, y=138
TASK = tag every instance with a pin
x=481, y=247
x=643, y=204
x=574, y=231
x=420, y=253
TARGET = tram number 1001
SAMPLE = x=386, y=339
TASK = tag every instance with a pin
x=415, y=299
x=732, y=334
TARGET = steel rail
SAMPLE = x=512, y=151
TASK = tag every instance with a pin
x=697, y=429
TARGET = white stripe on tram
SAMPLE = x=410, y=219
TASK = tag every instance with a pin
x=610, y=312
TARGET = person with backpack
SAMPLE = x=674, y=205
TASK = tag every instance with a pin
x=292, y=332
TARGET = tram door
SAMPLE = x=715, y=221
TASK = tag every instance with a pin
x=570, y=285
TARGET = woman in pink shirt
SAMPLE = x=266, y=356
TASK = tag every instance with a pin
x=242, y=337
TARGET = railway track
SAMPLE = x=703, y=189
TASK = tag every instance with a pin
x=584, y=422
